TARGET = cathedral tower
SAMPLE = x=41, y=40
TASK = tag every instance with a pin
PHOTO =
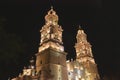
x=51, y=58
x=85, y=57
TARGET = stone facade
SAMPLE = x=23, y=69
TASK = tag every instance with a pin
x=51, y=63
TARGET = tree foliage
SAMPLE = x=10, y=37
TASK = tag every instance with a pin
x=11, y=48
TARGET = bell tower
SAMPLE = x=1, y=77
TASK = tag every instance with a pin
x=85, y=56
x=51, y=58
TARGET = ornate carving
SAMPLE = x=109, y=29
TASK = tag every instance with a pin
x=84, y=55
x=51, y=32
x=51, y=17
x=83, y=48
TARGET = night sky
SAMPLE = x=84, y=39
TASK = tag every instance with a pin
x=24, y=19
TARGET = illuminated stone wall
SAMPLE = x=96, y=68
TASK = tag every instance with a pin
x=85, y=56
x=51, y=58
x=51, y=61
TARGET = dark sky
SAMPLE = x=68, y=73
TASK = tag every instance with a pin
x=25, y=18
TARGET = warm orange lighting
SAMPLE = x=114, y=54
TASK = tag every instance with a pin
x=52, y=65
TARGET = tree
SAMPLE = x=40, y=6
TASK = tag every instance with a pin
x=11, y=48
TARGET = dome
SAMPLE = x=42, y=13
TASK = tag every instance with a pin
x=51, y=17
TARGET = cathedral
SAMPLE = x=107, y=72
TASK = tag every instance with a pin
x=51, y=63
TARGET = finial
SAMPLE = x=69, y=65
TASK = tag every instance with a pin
x=71, y=59
x=24, y=67
x=32, y=60
x=20, y=75
x=80, y=27
x=52, y=7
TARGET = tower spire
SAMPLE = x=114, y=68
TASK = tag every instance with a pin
x=84, y=54
x=83, y=47
x=51, y=32
x=51, y=50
